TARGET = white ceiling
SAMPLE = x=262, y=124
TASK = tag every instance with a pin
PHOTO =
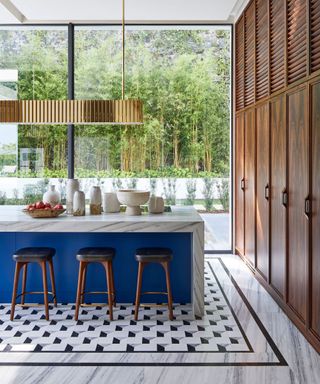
x=50, y=11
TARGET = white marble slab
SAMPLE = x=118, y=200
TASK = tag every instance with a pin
x=181, y=219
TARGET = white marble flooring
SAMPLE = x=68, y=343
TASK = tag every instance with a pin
x=303, y=362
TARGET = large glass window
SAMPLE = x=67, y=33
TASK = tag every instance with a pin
x=182, y=152
x=33, y=65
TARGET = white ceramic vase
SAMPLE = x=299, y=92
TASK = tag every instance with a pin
x=156, y=204
x=110, y=203
x=72, y=187
x=95, y=201
x=79, y=203
x=51, y=196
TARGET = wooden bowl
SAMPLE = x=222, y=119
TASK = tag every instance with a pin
x=43, y=213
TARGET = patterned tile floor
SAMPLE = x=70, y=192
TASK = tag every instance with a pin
x=218, y=331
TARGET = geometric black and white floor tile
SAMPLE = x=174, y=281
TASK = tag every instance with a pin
x=230, y=333
x=217, y=331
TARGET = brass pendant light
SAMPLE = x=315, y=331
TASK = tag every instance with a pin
x=115, y=112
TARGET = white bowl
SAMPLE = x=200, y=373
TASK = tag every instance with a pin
x=133, y=199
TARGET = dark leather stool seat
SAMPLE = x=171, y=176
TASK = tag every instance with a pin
x=34, y=254
x=104, y=256
x=146, y=256
x=153, y=255
x=95, y=254
x=42, y=256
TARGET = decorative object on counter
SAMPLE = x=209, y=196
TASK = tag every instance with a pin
x=51, y=196
x=41, y=210
x=110, y=203
x=95, y=200
x=156, y=204
x=72, y=187
x=79, y=203
x=133, y=199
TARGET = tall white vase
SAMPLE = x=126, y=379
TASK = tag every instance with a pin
x=72, y=187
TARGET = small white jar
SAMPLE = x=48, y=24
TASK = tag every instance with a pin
x=79, y=203
x=95, y=201
x=51, y=196
x=110, y=202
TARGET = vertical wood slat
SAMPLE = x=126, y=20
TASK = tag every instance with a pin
x=262, y=49
x=277, y=45
x=296, y=40
x=249, y=55
x=239, y=67
x=314, y=20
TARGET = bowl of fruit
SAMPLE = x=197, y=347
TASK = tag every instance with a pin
x=41, y=210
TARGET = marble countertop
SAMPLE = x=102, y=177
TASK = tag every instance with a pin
x=12, y=219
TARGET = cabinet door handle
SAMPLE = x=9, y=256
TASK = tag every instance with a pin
x=285, y=198
x=266, y=192
x=307, y=206
x=242, y=184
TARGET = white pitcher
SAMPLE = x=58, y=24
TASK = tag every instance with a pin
x=156, y=204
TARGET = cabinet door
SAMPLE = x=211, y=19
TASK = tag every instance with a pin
x=315, y=318
x=298, y=189
x=239, y=183
x=249, y=173
x=278, y=171
x=263, y=189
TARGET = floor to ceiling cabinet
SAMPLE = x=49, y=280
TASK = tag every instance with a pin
x=249, y=185
x=262, y=189
x=239, y=183
x=315, y=237
x=278, y=182
x=298, y=203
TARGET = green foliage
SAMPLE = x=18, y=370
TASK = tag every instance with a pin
x=208, y=193
x=182, y=77
x=191, y=192
x=169, y=188
x=223, y=191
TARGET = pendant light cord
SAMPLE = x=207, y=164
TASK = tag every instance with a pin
x=123, y=49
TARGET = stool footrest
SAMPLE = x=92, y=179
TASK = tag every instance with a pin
x=154, y=293
x=154, y=305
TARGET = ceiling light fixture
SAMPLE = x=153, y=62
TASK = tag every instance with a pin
x=115, y=112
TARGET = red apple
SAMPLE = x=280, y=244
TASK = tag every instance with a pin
x=58, y=206
x=40, y=205
x=47, y=205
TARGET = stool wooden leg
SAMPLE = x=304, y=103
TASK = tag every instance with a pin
x=112, y=286
x=15, y=288
x=83, y=283
x=43, y=265
x=53, y=284
x=82, y=266
x=166, y=268
x=24, y=282
x=107, y=266
x=138, y=292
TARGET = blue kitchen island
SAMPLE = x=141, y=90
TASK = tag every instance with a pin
x=182, y=230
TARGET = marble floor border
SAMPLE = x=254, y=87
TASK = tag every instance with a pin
x=281, y=360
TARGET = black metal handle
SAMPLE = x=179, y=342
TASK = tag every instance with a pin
x=242, y=184
x=284, y=198
x=266, y=192
x=307, y=206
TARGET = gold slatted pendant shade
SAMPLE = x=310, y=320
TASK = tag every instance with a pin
x=71, y=112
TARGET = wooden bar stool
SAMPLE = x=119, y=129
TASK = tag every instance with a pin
x=100, y=255
x=23, y=257
x=145, y=256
